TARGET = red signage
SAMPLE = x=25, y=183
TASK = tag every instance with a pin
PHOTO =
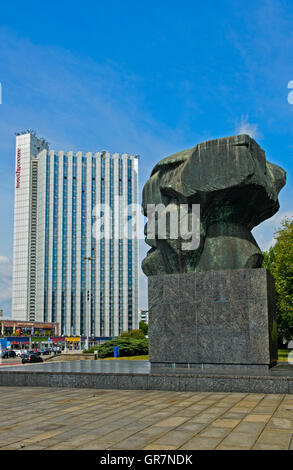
x=18, y=167
x=57, y=339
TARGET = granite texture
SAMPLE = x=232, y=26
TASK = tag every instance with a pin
x=160, y=380
x=213, y=319
x=140, y=375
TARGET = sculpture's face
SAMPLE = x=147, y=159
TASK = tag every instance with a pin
x=236, y=190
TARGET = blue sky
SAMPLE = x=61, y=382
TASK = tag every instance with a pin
x=148, y=77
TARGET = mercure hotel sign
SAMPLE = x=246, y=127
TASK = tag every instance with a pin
x=18, y=167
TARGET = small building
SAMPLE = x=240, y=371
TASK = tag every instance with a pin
x=143, y=315
x=26, y=328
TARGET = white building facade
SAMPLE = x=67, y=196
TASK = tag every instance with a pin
x=66, y=269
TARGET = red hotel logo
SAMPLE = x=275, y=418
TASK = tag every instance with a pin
x=18, y=168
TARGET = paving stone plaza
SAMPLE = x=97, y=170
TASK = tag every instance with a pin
x=36, y=418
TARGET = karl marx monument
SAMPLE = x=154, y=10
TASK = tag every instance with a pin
x=211, y=305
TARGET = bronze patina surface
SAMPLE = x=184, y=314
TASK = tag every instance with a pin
x=236, y=189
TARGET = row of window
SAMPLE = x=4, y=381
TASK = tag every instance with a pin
x=53, y=314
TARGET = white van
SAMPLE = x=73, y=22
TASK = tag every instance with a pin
x=18, y=352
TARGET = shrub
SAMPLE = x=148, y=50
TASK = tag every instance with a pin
x=90, y=350
x=128, y=347
x=144, y=327
x=135, y=334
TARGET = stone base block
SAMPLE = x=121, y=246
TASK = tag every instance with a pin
x=216, y=319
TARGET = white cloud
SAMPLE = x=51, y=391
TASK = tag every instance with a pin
x=264, y=233
x=245, y=127
x=5, y=266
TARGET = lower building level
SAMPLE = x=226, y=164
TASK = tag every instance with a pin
x=28, y=328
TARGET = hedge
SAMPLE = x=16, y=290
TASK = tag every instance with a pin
x=128, y=347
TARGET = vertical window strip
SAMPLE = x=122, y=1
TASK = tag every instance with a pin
x=46, y=261
x=64, y=245
x=102, y=253
x=130, y=264
x=55, y=239
x=120, y=248
x=83, y=294
x=93, y=262
x=111, y=249
x=73, y=247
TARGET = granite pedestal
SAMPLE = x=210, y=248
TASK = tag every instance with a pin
x=140, y=375
x=213, y=319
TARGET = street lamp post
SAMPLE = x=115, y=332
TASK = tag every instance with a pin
x=88, y=259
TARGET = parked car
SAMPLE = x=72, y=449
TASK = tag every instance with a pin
x=45, y=352
x=8, y=353
x=24, y=353
x=18, y=352
x=29, y=358
x=34, y=351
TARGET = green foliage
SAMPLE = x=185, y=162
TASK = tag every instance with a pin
x=144, y=327
x=90, y=350
x=279, y=261
x=128, y=347
x=135, y=334
x=283, y=354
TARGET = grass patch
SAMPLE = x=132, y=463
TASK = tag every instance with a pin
x=283, y=354
x=127, y=358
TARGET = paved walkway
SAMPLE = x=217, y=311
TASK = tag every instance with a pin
x=64, y=418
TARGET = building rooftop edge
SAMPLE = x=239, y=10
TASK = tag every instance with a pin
x=101, y=153
x=92, y=154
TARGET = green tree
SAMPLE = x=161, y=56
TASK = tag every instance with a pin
x=128, y=347
x=279, y=261
x=135, y=334
x=144, y=327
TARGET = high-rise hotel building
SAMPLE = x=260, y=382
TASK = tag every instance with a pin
x=62, y=271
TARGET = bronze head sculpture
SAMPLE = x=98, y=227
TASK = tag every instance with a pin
x=235, y=188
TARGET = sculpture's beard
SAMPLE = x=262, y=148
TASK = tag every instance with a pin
x=171, y=256
x=223, y=245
